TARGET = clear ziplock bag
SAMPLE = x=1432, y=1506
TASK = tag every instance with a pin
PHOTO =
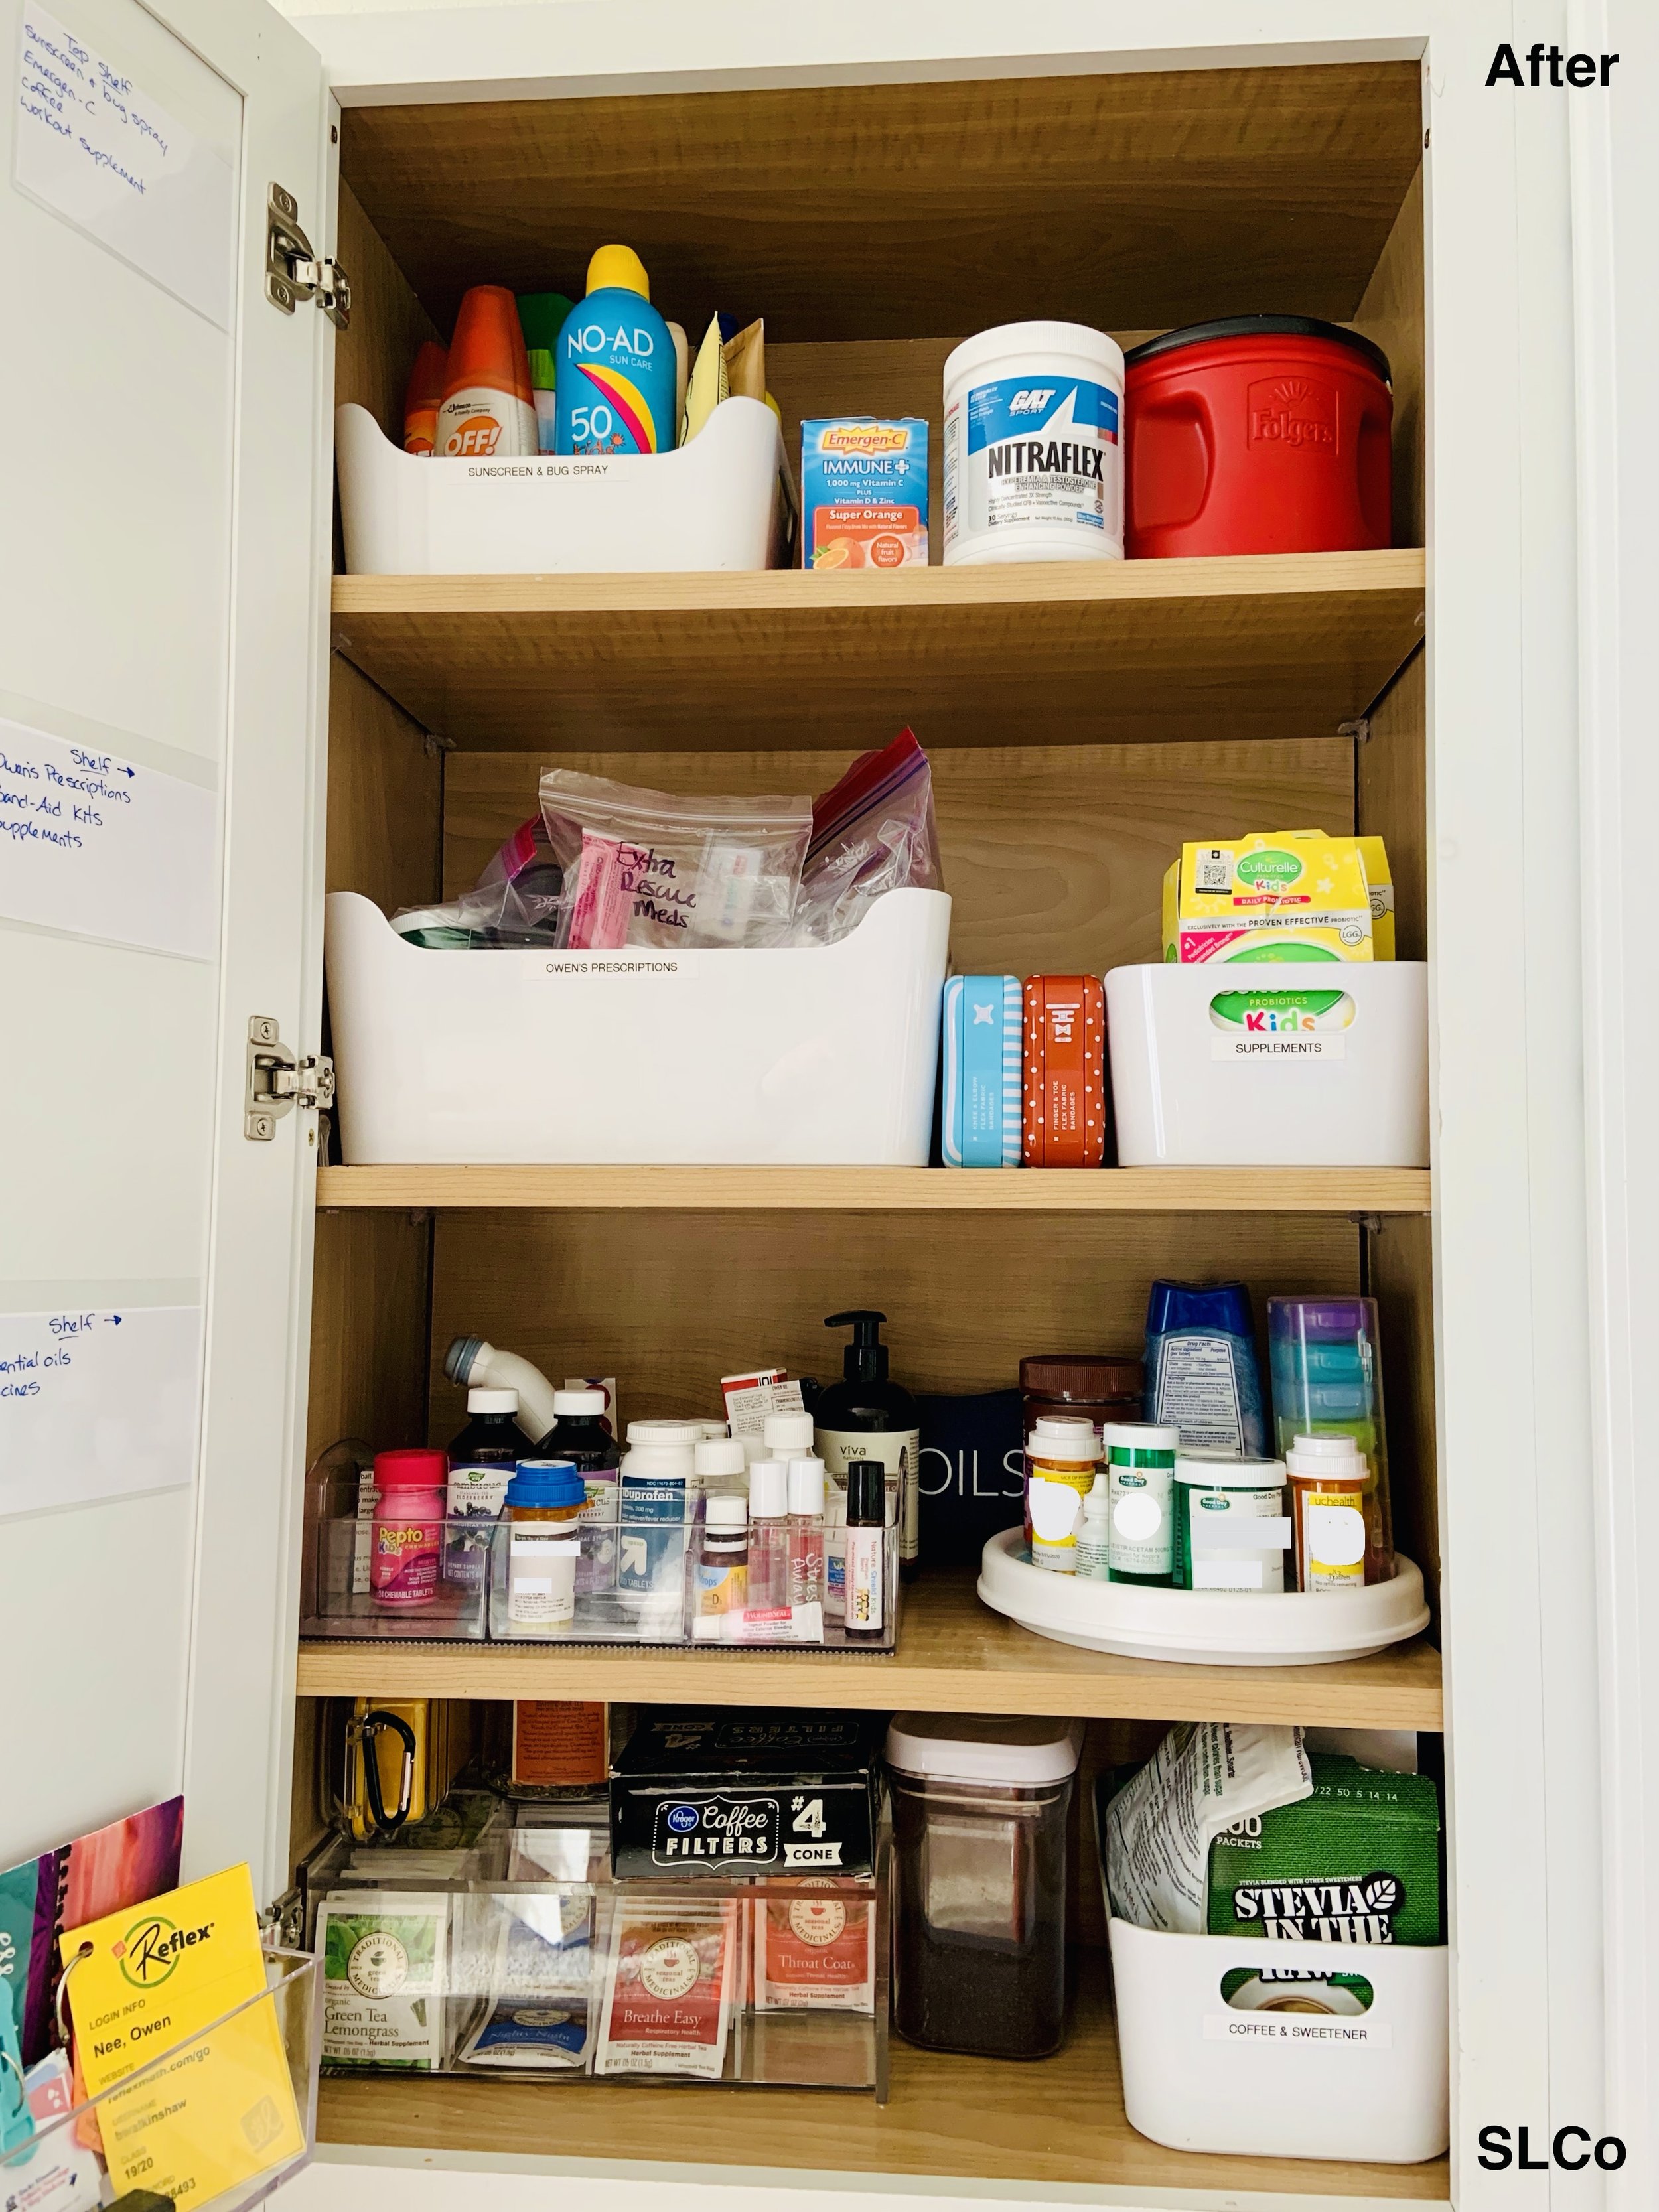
x=517, y=901
x=662, y=868
x=873, y=832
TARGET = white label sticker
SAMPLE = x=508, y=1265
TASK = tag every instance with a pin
x=657, y=966
x=97, y=1404
x=1336, y=1534
x=1301, y=1049
x=95, y=844
x=1334, y=2033
x=95, y=148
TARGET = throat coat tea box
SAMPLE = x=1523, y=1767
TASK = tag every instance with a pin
x=1356, y=1861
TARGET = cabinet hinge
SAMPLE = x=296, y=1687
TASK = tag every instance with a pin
x=282, y=1924
x=278, y=1079
x=293, y=271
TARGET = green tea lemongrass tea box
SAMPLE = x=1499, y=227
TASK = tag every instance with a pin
x=1356, y=1862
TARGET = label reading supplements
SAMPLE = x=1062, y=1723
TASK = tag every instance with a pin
x=1038, y=451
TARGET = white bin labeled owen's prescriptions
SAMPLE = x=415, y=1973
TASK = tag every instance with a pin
x=1270, y=1064
x=826, y=1056
x=1257, y=2071
x=726, y=501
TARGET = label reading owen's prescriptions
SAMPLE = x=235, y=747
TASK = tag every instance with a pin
x=1039, y=451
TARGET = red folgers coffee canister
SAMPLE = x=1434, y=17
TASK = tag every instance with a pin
x=1262, y=433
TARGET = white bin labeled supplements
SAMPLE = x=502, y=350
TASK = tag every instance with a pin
x=1033, y=446
x=821, y=1055
x=1270, y=1064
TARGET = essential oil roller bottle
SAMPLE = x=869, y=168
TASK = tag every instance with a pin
x=866, y=1546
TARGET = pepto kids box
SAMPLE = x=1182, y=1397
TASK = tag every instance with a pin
x=864, y=493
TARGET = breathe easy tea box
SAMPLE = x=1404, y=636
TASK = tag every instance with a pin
x=721, y=1794
x=1357, y=1862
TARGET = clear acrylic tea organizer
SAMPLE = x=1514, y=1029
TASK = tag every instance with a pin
x=519, y=1957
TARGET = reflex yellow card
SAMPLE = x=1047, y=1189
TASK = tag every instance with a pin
x=148, y=1979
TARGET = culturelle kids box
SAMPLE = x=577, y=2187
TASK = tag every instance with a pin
x=1278, y=895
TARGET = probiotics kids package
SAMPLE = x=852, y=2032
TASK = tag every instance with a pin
x=864, y=494
x=1275, y=895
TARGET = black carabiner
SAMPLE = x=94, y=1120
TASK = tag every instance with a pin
x=386, y=1823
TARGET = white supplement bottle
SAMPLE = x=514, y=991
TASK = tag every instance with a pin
x=1094, y=1538
x=1232, y=1529
x=1033, y=446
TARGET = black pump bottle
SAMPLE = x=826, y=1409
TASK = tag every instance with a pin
x=868, y=1416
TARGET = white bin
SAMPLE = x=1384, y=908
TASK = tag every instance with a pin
x=723, y=502
x=1260, y=1064
x=1200, y=2074
x=818, y=1057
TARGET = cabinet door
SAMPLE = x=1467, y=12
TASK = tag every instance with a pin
x=164, y=548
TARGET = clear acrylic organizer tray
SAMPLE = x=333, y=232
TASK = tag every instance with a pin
x=779, y=1981
x=612, y=1577
x=219, y=2119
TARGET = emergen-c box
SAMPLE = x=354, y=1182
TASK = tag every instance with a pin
x=719, y=1793
x=864, y=493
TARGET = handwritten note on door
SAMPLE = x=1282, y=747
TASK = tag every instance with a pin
x=95, y=148
x=99, y=845
x=97, y=1403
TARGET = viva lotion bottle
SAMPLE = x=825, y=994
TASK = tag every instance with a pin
x=617, y=368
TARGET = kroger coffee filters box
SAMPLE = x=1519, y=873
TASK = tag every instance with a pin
x=721, y=1794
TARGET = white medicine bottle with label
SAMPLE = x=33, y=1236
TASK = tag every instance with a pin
x=1094, y=1538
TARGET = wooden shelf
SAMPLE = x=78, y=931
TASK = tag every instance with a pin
x=1099, y=653
x=881, y=1190
x=1052, y=2122
x=1180, y=194
x=955, y=1654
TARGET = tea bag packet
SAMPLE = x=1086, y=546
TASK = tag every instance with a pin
x=537, y=1947
x=385, y=1957
x=669, y=1988
x=814, y=1947
x=1204, y=1776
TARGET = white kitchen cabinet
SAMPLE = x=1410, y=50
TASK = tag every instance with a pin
x=878, y=183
